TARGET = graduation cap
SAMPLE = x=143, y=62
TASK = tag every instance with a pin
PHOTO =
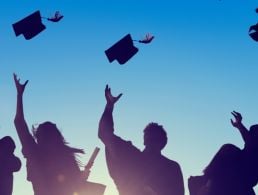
x=32, y=24
x=122, y=51
x=253, y=32
x=29, y=26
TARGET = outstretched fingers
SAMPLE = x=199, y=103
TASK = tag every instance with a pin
x=20, y=87
x=107, y=92
x=109, y=97
x=16, y=80
x=26, y=83
x=118, y=97
x=238, y=119
x=232, y=122
x=237, y=115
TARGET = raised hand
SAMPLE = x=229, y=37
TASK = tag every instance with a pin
x=19, y=87
x=111, y=100
x=238, y=119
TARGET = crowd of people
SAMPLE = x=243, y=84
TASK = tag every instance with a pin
x=53, y=168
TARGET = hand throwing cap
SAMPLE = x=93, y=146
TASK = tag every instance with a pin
x=29, y=26
x=122, y=51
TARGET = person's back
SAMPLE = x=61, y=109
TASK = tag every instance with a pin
x=124, y=163
x=162, y=175
x=226, y=172
x=144, y=174
x=250, y=157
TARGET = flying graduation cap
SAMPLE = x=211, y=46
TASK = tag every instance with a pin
x=32, y=25
x=124, y=49
x=253, y=30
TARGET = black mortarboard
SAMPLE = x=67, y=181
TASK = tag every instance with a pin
x=122, y=51
x=29, y=26
x=253, y=32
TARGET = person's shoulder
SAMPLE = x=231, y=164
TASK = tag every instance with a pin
x=121, y=143
x=31, y=150
x=170, y=163
x=120, y=140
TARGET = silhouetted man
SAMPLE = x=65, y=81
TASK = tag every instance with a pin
x=135, y=172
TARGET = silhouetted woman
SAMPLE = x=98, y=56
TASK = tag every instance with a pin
x=9, y=163
x=52, y=167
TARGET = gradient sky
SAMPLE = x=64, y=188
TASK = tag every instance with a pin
x=201, y=65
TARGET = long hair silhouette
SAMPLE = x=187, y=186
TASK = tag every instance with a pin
x=52, y=166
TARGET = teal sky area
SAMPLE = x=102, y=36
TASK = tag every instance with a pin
x=201, y=65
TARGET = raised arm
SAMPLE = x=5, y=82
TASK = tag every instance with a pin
x=19, y=121
x=106, y=123
x=239, y=125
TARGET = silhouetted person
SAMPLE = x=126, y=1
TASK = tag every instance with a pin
x=232, y=171
x=9, y=163
x=52, y=167
x=135, y=172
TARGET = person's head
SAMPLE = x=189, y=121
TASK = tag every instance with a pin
x=7, y=145
x=47, y=134
x=155, y=137
x=51, y=142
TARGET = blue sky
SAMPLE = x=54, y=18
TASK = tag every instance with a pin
x=201, y=65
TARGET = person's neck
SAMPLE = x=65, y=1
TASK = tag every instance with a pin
x=152, y=151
